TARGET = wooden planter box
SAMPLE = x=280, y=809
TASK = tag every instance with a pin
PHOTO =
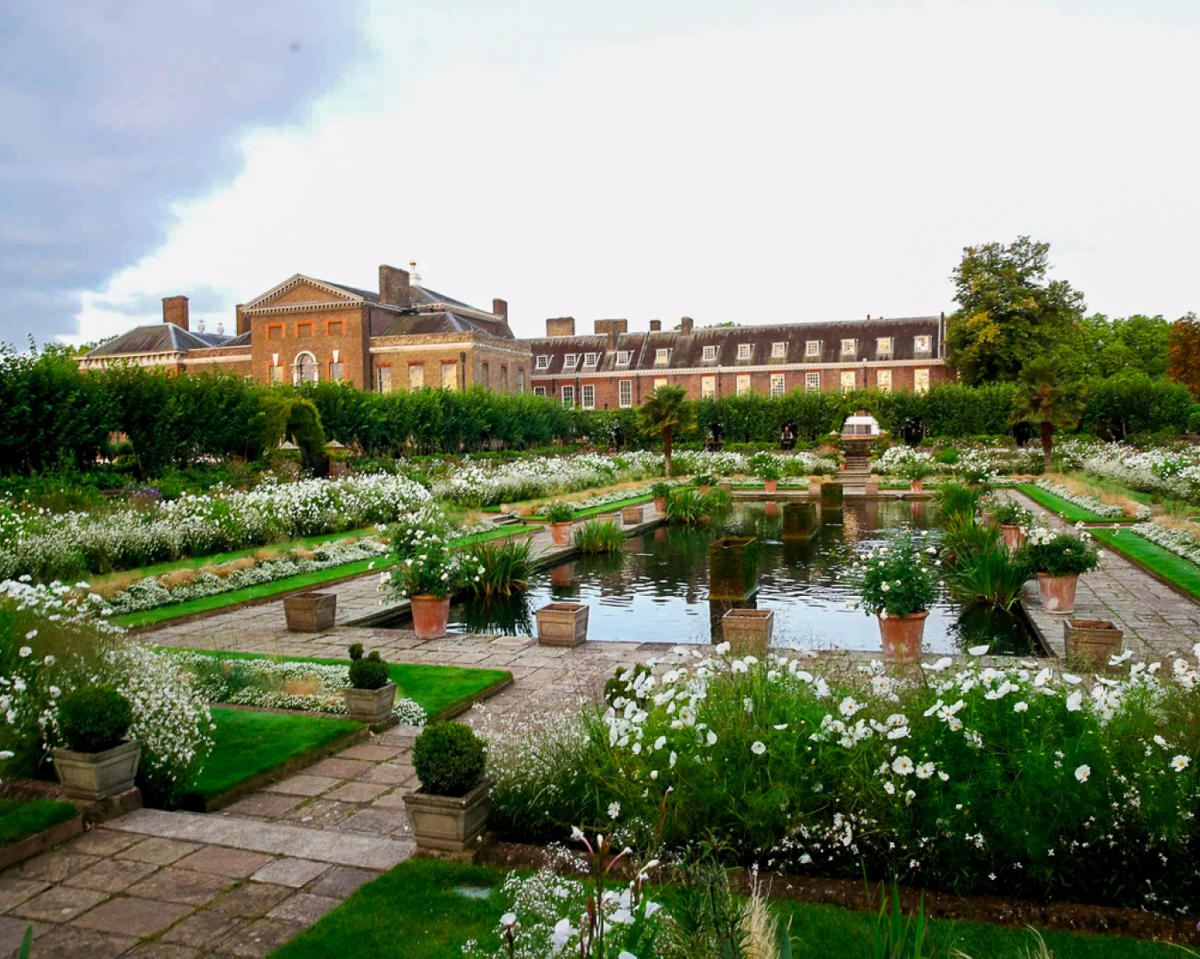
x=732, y=567
x=446, y=823
x=748, y=630
x=99, y=775
x=373, y=706
x=562, y=624
x=1090, y=642
x=310, y=612
x=631, y=516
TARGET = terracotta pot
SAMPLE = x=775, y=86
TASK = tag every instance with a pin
x=916, y=485
x=660, y=503
x=1057, y=592
x=561, y=533
x=430, y=615
x=770, y=485
x=1013, y=537
x=902, y=636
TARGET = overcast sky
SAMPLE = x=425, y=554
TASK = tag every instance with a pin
x=754, y=162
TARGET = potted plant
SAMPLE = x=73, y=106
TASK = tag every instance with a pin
x=898, y=584
x=427, y=580
x=1058, y=559
x=310, y=612
x=660, y=491
x=451, y=807
x=371, y=695
x=769, y=472
x=98, y=761
x=559, y=515
x=1013, y=520
x=915, y=467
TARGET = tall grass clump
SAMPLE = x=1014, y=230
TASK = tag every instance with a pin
x=690, y=506
x=988, y=576
x=956, y=499
x=499, y=568
x=599, y=536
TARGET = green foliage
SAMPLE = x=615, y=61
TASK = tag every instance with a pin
x=92, y=719
x=559, y=512
x=433, y=572
x=955, y=498
x=1057, y=554
x=498, y=568
x=1007, y=512
x=367, y=672
x=20, y=818
x=660, y=490
x=766, y=466
x=665, y=414
x=895, y=937
x=1184, y=353
x=987, y=574
x=1045, y=399
x=898, y=579
x=1137, y=346
x=449, y=759
x=689, y=506
x=599, y=536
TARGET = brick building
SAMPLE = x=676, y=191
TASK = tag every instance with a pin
x=613, y=368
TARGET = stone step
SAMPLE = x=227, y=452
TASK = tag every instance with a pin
x=340, y=848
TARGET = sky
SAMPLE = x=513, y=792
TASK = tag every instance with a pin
x=759, y=162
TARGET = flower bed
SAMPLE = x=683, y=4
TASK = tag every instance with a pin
x=1181, y=542
x=1090, y=503
x=1171, y=472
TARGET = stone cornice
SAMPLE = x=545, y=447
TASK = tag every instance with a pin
x=734, y=370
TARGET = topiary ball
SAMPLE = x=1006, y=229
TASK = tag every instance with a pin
x=449, y=759
x=94, y=718
x=369, y=672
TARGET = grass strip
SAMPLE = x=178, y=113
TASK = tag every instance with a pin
x=249, y=743
x=1181, y=573
x=609, y=507
x=415, y=911
x=1064, y=508
x=20, y=818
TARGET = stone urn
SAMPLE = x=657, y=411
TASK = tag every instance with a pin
x=748, y=630
x=560, y=533
x=430, y=614
x=94, y=776
x=902, y=636
x=371, y=706
x=1057, y=592
x=562, y=624
x=1090, y=643
x=1014, y=539
x=310, y=612
x=448, y=823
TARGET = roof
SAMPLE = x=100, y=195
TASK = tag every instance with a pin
x=442, y=321
x=158, y=338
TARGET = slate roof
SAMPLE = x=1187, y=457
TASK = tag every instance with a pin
x=158, y=338
x=440, y=321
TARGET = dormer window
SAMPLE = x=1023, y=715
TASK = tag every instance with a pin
x=589, y=359
x=743, y=351
x=812, y=348
x=662, y=356
x=883, y=346
x=710, y=353
x=849, y=347
x=541, y=363
x=623, y=357
x=922, y=344
x=778, y=350
x=570, y=361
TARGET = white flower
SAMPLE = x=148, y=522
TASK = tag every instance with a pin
x=25, y=652
x=1083, y=772
x=925, y=771
x=1180, y=763
x=1075, y=701
x=1020, y=707
x=577, y=834
x=758, y=747
x=563, y=930
x=508, y=919
x=889, y=789
x=55, y=692
x=711, y=738
x=49, y=661
x=614, y=810
x=885, y=587
x=32, y=634
x=626, y=954
x=902, y=765
x=979, y=650
x=782, y=726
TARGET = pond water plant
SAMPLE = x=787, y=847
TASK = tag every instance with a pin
x=599, y=536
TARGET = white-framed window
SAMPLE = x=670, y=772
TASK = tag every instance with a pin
x=416, y=375
x=383, y=379
x=275, y=374
x=625, y=394
x=660, y=381
x=587, y=396
x=883, y=345
x=812, y=348
x=778, y=350
x=849, y=380
x=541, y=363
x=922, y=344
x=744, y=351
x=337, y=371
x=570, y=361
x=449, y=376
x=661, y=356
x=743, y=384
x=708, y=387
x=921, y=380
x=623, y=357
x=305, y=369
x=710, y=353
x=589, y=359
x=521, y=382
x=568, y=397
x=883, y=380
x=539, y=391
x=812, y=382
x=849, y=347
x=777, y=385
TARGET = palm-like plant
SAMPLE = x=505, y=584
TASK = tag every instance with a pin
x=664, y=414
x=1043, y=398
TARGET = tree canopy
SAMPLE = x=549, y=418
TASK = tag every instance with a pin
x=1184, y=364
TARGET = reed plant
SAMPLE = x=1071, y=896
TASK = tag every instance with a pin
x=499, y=567
x=599, y=536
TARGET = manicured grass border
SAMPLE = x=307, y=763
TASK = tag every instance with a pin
x=1173, y=570
x=607, y=507
x=22, y=818
x=1065, y=508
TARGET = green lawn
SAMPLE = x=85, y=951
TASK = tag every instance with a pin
x=439, y=689
x=1178, y=570
x=249, y=743
x=20, y=818
x=414, y=911
x=613, y=507
x=1064, y=508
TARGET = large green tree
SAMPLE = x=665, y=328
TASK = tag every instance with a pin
x=1009, y=311
x=1047, y=399
x=666, y=413
x=1132, y=347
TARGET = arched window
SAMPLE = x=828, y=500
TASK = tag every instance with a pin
x=304, y=370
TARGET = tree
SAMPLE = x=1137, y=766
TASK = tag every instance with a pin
x=1183, y=365
x=1009, y=313
x=1044, y=398
x=666, y=413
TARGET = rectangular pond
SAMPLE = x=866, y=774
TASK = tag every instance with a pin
x=657, y=589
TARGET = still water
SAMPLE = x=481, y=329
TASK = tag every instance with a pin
x=657, y=589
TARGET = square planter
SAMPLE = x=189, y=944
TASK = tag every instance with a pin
x=732, y=567
x=97, y=775
x=1090, y=642
x=748, y=630
x=446, y=823
x=310, y=612
x=562, y=624
x=373, y=706
x=631, y=516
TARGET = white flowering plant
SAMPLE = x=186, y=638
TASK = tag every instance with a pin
x=898, y=578
x=436, y=571
x=1058, y=553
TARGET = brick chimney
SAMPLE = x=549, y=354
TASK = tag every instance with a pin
x=656, y=326
x=500, y=307
x=393, y=287
x=243, y=321
x=175, y=311
x=561, y=326
x=612, y=329
x=685, y=325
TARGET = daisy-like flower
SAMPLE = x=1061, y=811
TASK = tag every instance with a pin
x=979, y=650
x=32, y=634
x=614, y=810
x=1083, y=772
x=1020, y=707
x=758, y=747
x=1180, y=763
x=711, y=738
x=925, y=771
x=25, y=652
x=903, y=765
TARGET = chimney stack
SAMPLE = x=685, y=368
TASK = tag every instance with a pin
x=243, y=321
x=561, y=326
x=612, y=329
x=175, y=311
x=500, y=308
x=656, y=326
x=413, y=276
x=394, y=287
x=685, y=325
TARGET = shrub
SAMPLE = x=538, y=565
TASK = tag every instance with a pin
x=660, y=490
x=431, y=573
x=1057, y=554
x=558, y=512
x=367, y=672
x=599, y=536
x=988, y=576
x=1008, y=513
x=898, y=579
x=954, y=498
x=92, y=719
x=498, y=568
x=449, y=759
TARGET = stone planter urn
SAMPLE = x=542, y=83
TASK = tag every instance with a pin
x=371, y=706
x=1013, y=537
x=748, y=630
x=430, y=614
x=1091, y=642
x=99, y=775
x=631, y=516
x=448, y=823
x=561, y=534
x=310, y=612
x=562, y=624
x=902, y=637
x=770, y=486
x=1057, y=592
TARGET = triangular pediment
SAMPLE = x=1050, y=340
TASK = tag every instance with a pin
x=302, y=289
